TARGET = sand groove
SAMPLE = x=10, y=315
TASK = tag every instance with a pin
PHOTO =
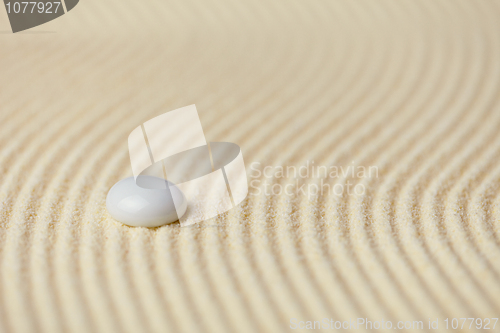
x=409, y=87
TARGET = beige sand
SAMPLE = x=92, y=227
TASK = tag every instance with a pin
x=411, y=87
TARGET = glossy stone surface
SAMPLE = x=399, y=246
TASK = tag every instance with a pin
x=138, y=206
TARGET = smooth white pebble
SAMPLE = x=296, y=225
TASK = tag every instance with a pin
x=148, y=206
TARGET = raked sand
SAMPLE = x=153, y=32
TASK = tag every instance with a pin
x=409, y=87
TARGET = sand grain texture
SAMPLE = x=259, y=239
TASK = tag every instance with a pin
x=411, y=87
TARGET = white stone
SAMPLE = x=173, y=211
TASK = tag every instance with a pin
x=138, y=206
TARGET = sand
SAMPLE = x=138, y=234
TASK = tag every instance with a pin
x=408, y=87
